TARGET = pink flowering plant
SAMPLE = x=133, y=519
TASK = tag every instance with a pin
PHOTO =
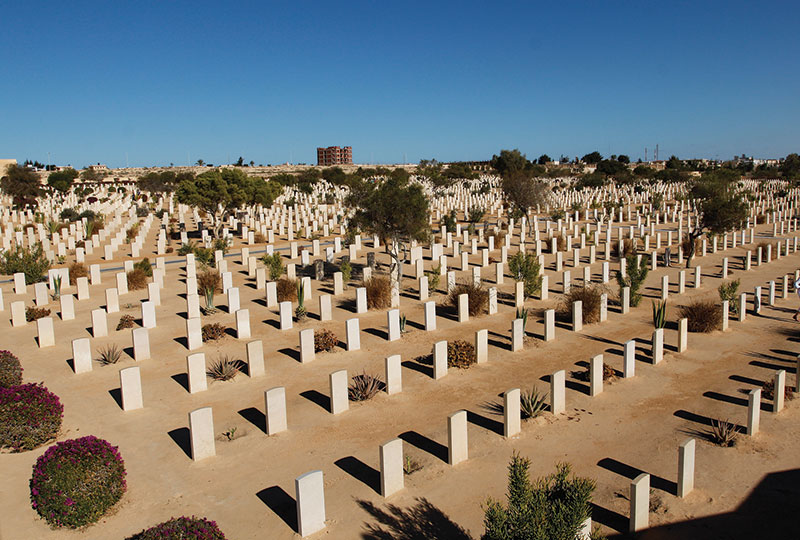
x=30, y=415
x=10, y=370
x=182, y=528
x=75, y=482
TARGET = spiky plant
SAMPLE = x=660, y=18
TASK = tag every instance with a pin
x=403, y=321
x=110, y=354
x=722, y=432
x=522, y=313
x=659, y=314
x=224, y=368
x=532, y=403
x=364, y=386
x=56, y=287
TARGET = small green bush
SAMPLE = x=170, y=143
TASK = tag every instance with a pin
x=77, y=481
x=144, y=266
x=10, y=370
x=525, y=267
x=274, y=265
x=30, y=415
x=182, y=528
x=30, y=261
x=634, y=278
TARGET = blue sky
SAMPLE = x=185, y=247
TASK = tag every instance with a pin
x=166, y=82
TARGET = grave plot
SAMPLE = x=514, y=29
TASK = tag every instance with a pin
x=293, y=384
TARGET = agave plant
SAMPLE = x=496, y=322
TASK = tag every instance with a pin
x=224, y=368
x=660, y=314
x=364, y=387
x=403, y=324
x=523, y=314
x=52, y=226
x=532, y=403
x=110, y=354
x=56, y=287
x=300, y=312
x=722, y=432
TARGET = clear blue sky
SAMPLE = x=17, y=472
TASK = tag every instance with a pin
x=271, y=81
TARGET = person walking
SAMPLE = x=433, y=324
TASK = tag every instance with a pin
x=797, y=290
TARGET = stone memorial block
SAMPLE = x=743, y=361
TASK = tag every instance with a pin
x=307, y=351
x=463, y=308
x=394, y=374
x=243, y=324
x=577, y=316
x=44, y=331
x=517, y=335
x=640, y=503
x=201, y=431
x=779, y=388
x=549, y=324
x=286, y=315
x=558, y=392
x=196, y=369
x=141, y=344
x=99, y=323
x=19, y=283
x=275, y=410
x=194, y=333
x=457, y=447
x=596, y=375
x=353, y=335
x=361, y=300
x=686, y=467
x=439, y=359
x=310, y=496
x=193, y=306
x=83, y=288
x=81, y=355
x=41, y=298
x=272, y=294
x=130, y=383
x=683, y=331
x=233, y=300
x=67, y=302
x=339, y=398
x=482, y=346
x=393, y=323
x=94, y=274
x=512, y=416
x=544, y=294
x=122, y=283
x=391, y=459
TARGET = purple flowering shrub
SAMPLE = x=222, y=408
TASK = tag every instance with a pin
x=76, y=481
x=30, y=415
x=182, y=528
x=10, y=370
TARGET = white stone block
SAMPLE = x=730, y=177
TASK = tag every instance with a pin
x=201, y=429
x=196, y=369
x=275, y=410
x=130, y=383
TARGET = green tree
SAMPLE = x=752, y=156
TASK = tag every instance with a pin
x=92, y=175
x=31, y=261
x=22, y=185
x=432, y=170
x=522, y=192
x=594, y=157
x=543, y=159
x=622, y=158
x=791, y=166
x=163, y=182
x=525, y=267
x=722, y=208
x=219, y=192
x=510, y=161
x=611, y=167
x=635, y=274
x=62, y=180
x=394, y=210
x=551, y=508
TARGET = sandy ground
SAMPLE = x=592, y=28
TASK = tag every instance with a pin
x=248, y=487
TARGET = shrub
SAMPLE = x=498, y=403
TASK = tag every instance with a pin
x=186, y=249
x=34, y=313
x=346, y=269
x=286, y=290
x=659, y=314
x=131, y=233
x=274, y=264
x=10, y=370
x=137, y=279
x=144, y=266
x=182, y=528
x=213, y=332
x=768, y=391
x=301, y=313
x=75, y=482
x=532, y=403
x=110, y=354
x=224, y=368
x=142, y=211
x=460, y=354
x=30, y=261
x=324, y=340
x=259, y=238
x=722, y=432
x=30, y=415
x=478, y=297
x=553, y=507
x=525, y=267
x=363, y=387
x=628, y=248
x=77, y=270
x=126, y=321
x=728, y=291
x=434, y=276
x=209, y=281
x=379, y=292
x=590, y=298
x=703, y=315
x=635, y=274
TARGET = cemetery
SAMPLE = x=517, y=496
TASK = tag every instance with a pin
x=277, y=372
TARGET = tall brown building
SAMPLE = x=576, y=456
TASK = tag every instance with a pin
x=334, y=155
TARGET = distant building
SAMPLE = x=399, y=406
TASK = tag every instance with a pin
x=98, y=168
x=334, y=155
x=4, y=163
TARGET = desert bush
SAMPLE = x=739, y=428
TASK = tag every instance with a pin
x=30, y=261
x=635, y=274
x=532, y=403
x=110, y=354
x=181, y=528
x=379, y=292
x=10, y=369
x=286, y=290
x=132, y=231
x=686, y=245
x=586, y=375
x=364, y=386
x=703, y=315
x=137, y=279
x=224, y=368
x=552, y=507
x=722, y=432
x=30, y=415
x=324, y=340
x=186, y=249
x=77, y=270
x=126, y=321
x=478, y=297
x=628, y=248
x=33, y=313
x=209, y=281
x=259, y=238
x=213, y=332
x=768, y=391
x=728, y=291
x=77, y=481
x=434, y=277
x=525, y=267
x=274, y=265
x=460, y=354
x=346, y=269
x=590, y=298
x=144, y=266
x=659, y=314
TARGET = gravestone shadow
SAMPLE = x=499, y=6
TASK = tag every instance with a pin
x=255, y=417
x=360, y=471
x=318, y=398
x=181, y=437
x=280, y=502
x=425, y=444
x=116, y=393
x=182, y=379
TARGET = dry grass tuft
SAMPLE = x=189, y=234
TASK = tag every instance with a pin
x=703, y=315
x=286, y=290
x=478, y=297
x=379, y=292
